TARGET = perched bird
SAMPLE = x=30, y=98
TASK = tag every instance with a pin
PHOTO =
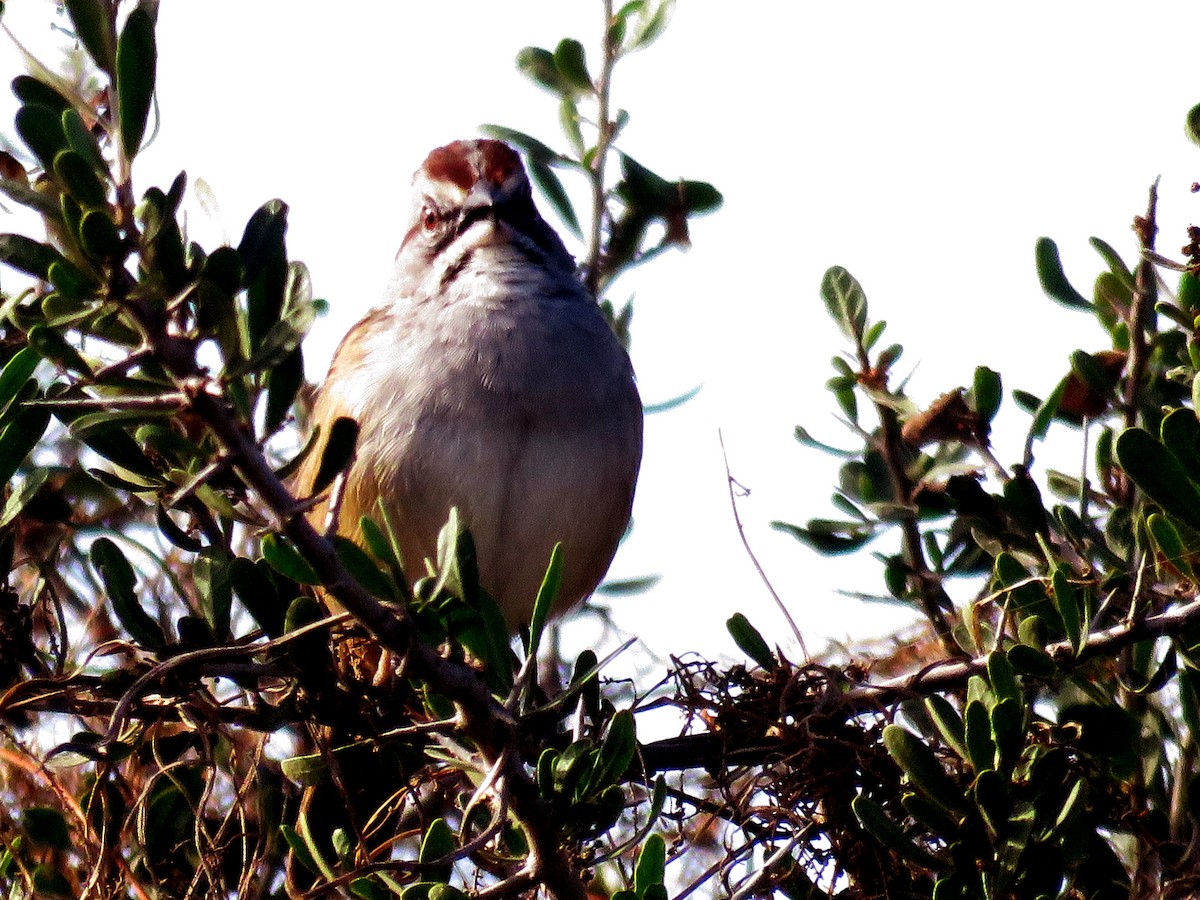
x=488, y=380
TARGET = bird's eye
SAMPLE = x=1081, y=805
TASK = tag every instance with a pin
x=430, y=218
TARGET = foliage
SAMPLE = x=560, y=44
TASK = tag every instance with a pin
x=180, y=717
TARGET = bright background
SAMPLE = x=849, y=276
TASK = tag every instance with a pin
x=923, y=146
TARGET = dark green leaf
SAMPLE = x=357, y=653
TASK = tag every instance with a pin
x=1069, y=604
x=119, y=582
x=1008, y=729
x=977, y=730
x=924, y=771
x=1001, y=676
x=173, y=532
x=117, y=446
x=948, y=723
x=552, y=189
x=46, y=827
x=337, y=454
x=99, y=236
x=750, y=641
x=538, y=65
x=986, y=393
x=544, y=602
x=210, y=572
x=1028, y=660
x=1158, y=472
x=27, y=255
x=253, y=585
x=40, y=127
x=77, y=174
x=94, y=30
x=438, y=843
x=284, y=381
x=19, y=499
x=17, y=371
x=1192, y=124
x=571, y=62
x=1113, y=260
x=18, y=439
x=136, y=61
x=651, y=864
x=34, y=92
x=1053, y=279
x=285, y=559
x=616, y=753
x=83, y=143
x=364, y=569
x=876, y=823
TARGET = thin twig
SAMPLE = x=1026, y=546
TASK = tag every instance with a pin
x=737, y=519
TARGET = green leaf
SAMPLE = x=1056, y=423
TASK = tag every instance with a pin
x=1045, y=414
x=1053, y=279
x=99, y=236
x=1028, y=660
x=571, y=62
x=119, y=581
x=1158, y=472
x=876, y=823
x=20, y=498
x=35, y=92
x=83, y=143
x=136, y=61
x=651, y=865
x=1008, y=729
x=46, y=827
x=750, y=641
x=1001, y=676
x=992, y=798
x=54, y=347
x=986, y=393
x=539, y=66
x=1069, y=605
x=337, y=454
x=544, y=603
x=948, y=723
x=17, y=371
x=285, y=559
x=922, y=768
x=18, y=439
x=616, y=753
x=652, y=23
x=437, y=843
x=210, y=572
x=263, y=252
x=77, y=174
x=27, y=255
x=845, y=301
x=1191, y=125
x=981, y=747
x=363, y=568
x=568, y=120
x=284, y=381
x=253, y=585
x=552, y=189
x=1094, y=374
x=40, y=127
x=94, y=29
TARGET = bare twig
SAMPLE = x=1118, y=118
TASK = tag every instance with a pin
x=737, y=519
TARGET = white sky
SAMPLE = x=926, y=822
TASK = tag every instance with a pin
x=923, y=146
